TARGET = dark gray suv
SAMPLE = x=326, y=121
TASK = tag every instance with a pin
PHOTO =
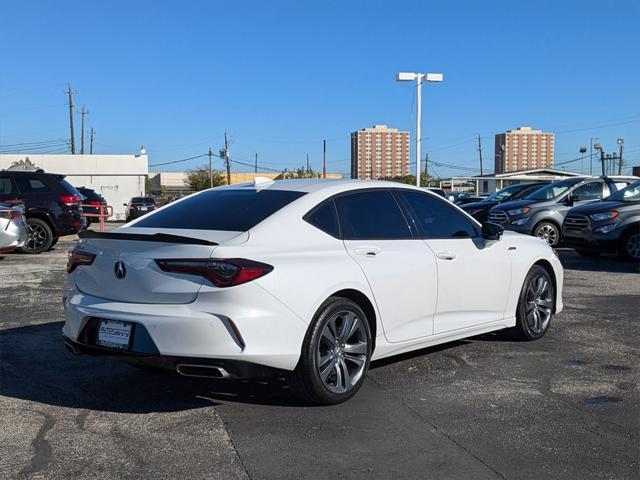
x=610, y=225
x=542, y=212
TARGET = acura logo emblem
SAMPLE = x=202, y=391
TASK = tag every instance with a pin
x=120, y=270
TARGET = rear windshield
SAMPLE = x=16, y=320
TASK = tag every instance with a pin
x=229, y=210
x=143, y=201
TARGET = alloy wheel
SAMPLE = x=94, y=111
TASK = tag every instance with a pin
x=633, y=246
x=36, y=237
x=342, y=352
x=548, y=233
x=539, y=304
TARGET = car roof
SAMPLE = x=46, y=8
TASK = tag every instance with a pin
x=317, y=184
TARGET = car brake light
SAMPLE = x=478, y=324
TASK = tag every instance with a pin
x=221, y=272
x=69, y=199
x=95, y=202
x=77, y=258
x=10, y=214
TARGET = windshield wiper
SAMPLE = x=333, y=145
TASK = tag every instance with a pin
x=156, y=237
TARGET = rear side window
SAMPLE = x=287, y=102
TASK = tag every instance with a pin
x=31, y=185
x=6, y=187
x=372, y=215
x=436, y=218
x=68, y=187
x=324, y=217
x=228, y=210
x=590, y=191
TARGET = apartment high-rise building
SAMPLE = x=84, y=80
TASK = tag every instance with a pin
x=523, y=149
x=379, y=152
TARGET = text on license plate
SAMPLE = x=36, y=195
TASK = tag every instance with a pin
x=114, y=334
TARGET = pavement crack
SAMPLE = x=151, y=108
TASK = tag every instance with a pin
x=41, y=447
x=437, y=429
x=233, y=447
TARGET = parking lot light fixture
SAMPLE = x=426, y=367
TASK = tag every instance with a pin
x=419, y=77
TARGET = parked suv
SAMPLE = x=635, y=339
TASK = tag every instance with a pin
x=52, y=206
x=91, y=203
x=139, y=206
x=480, y=210
x=542, y=212
x=610, y=225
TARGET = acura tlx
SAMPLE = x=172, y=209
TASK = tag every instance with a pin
x=308, y=279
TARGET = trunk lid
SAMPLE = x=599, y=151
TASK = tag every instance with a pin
x=125, y=270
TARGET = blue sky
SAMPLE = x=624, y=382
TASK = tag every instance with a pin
x=280, y=76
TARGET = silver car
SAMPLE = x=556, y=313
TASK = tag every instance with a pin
x=13, y=227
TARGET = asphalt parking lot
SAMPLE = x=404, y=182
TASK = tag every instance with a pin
x=566, y=406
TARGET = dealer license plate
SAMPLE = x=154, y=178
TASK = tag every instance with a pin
x=114, y=334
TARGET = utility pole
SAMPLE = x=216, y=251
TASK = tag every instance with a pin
x=308, y=163
x=226, y=156
x=591, y=155
x=620, y=160
x=324, y=159
x=426, y=169
x=480, y=152
x=597, y=146
x=255, y=170
x=210, y=171
x=73, y=140
x=91, y=141
x=83, y=112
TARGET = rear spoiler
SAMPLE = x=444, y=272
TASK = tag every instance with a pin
x=156, y=237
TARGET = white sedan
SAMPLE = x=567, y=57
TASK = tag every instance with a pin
x=315, y=278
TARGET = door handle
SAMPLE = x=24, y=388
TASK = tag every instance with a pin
x=367, y=251
x=446, y=255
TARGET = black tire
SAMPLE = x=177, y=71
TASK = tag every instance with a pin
x=53, y=242
x=549, y=232
x=40, y=237
x=524, y=329
x=628, y=244
x=588, y=253
x=306, y=381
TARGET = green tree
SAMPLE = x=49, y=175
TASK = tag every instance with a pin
x=301, y=172
x=198, y=178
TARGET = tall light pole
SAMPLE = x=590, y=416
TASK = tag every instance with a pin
x=418, y=77
x=620, y=142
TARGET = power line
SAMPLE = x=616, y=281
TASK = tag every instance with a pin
x=31, y=143
x=182, y=160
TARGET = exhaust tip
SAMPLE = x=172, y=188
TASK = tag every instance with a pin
x=202, y=371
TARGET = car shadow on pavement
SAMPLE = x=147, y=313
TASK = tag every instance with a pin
x=571, y=260
x=35, y=366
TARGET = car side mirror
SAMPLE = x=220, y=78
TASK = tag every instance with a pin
x=570, y=200
x=492, y=231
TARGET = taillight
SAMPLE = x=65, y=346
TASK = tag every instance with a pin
x=69, y=199
x=10, y=214
x=95, y=202
x=78, y=258
x=222, y=273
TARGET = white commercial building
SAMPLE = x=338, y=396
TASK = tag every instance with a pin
x=116, y=177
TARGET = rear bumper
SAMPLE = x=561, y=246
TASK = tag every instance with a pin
x=69, y=223
x=243, y=323
x=588, y=240
x=188, y=366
